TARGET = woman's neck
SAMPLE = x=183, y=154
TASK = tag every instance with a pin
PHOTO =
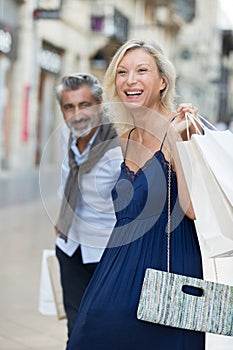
x=151, y=122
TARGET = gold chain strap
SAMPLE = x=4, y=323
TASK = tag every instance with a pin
x=169, y=216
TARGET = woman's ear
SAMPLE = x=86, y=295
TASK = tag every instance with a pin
x=163, y=84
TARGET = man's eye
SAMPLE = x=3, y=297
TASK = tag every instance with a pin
x=85, y=105
x=68, y=107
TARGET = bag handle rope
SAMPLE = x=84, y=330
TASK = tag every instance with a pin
x=169, y=216
x=197, y=120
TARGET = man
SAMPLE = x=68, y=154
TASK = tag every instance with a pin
x=89, y=172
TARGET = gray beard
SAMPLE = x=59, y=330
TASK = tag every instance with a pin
x=81, y=133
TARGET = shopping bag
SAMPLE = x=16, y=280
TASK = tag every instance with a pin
x=47, y=304
x=216, y=148
x=213, y=210
x=50, y=293
x=54, y=272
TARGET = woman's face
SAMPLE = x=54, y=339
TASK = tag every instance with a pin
x=138, y=82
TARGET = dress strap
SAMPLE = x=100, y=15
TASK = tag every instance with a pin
x=163, y=141
x=126, y=148
x=166, y=134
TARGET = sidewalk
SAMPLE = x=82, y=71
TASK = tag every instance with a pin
x=26, y=230
x=25, y=186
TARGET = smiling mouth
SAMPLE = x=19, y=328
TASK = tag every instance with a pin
x=79, y=123
x=134, y=93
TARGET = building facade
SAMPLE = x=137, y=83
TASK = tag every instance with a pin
x=8, y=54
x=45, y=39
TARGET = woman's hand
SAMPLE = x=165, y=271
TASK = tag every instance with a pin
x=184, y=108
x=180, y=123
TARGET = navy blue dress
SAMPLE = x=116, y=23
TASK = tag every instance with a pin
x=107, y=316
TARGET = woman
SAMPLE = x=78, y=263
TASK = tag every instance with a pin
x=142, y=80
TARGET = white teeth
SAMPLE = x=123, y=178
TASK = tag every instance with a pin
x=133, y=92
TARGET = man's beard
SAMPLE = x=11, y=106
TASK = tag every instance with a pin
x=89, y=124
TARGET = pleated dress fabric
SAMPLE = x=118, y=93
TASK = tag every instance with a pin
x=107, y=317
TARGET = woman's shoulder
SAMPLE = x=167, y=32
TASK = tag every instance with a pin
x=125, y=135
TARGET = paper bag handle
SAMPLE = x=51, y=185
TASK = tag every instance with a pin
x=198, y=120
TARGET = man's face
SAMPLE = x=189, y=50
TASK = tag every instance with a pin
x=80, y=111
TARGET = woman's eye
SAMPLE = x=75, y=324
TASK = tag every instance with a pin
x=121, y=72
x=142, y=70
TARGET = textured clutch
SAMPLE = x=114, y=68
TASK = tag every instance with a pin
x=164, y=300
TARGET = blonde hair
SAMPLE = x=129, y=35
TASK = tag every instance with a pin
x=166, y=71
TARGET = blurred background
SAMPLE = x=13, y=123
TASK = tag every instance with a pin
x=42, y=40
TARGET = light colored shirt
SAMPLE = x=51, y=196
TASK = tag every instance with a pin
x=94, y=216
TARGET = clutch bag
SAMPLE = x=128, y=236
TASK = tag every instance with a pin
x=163, y=300
x=185, y=302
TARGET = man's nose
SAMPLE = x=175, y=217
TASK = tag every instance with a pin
x=79, y=113
x=77, y=110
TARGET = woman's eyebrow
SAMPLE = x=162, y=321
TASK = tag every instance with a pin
x=140, y=64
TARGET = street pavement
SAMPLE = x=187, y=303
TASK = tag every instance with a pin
x=26, y=229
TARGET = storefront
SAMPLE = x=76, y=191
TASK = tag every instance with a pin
x=7, y=57
x=50, y=67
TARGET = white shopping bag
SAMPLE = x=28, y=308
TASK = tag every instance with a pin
x=47, y=304
x=217, y=150
x=210, y=225
x=54, y=272
x=214, y=212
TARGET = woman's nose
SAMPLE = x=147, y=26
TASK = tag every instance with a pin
x=131, y=78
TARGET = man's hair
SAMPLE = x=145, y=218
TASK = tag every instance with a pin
x=77, y=80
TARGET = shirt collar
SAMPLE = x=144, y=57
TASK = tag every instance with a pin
x=81, y=157
x=91, y=141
